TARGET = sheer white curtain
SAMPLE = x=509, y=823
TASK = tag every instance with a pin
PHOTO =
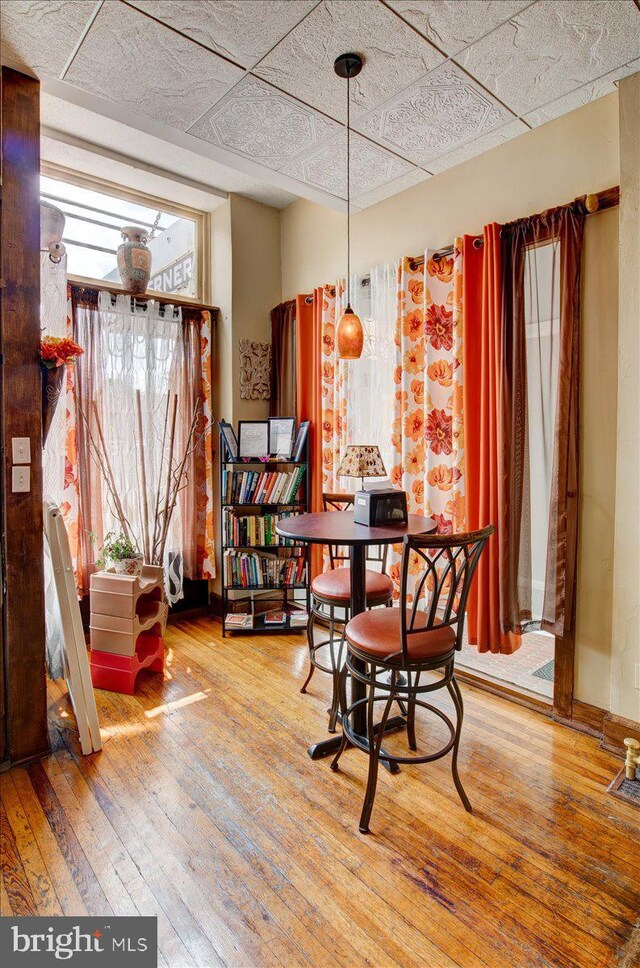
x=53, y=321
x=542, y=328
x=371, y=387
x=131, y=347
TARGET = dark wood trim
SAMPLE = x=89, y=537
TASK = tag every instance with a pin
x=82, y=287
x=616, y=728
x=584, y=717
x=564, y=663
x=22, y=536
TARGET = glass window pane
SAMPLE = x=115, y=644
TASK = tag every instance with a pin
x=92, y=236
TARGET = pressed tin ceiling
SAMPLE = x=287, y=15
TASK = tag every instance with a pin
x=250, y=84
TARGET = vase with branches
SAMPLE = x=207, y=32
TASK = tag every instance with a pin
x=156, y=498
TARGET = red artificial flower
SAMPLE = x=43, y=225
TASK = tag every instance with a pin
x=58, y=351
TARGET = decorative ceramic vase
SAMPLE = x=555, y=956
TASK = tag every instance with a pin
x=128, y=566
x=134, y=259
x=52, y=380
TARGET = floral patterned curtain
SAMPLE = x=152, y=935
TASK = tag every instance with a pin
x=70, y=504
x=427, y=435
x=334, y=387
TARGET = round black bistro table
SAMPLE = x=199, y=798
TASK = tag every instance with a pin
x=339, y=528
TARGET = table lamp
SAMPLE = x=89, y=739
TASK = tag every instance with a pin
x=362, y=461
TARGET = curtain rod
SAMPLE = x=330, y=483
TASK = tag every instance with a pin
x=594, y=203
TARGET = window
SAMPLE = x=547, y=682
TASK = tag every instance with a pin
x=94, y=217
x=542, y=321
x=371, y=387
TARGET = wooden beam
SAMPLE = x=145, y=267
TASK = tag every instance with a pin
x=20, y=394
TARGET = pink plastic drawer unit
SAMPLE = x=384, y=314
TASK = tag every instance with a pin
x=127, y=623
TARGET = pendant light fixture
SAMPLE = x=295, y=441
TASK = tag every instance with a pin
x=349, y=332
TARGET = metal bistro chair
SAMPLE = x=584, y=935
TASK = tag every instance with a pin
x=412, y=641
x=330, y=601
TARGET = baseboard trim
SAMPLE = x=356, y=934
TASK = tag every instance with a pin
x=615, y=730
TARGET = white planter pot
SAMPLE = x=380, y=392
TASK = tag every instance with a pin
x=127, y=566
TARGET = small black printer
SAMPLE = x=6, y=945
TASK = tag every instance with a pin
x=380, y=507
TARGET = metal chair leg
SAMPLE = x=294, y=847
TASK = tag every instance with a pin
x=374, y=738
x=337, y=669
x=456, y=695
x=342, y=696
x=411, y=718
x=312, y=668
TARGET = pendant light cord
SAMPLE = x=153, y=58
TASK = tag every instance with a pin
x=348, y=195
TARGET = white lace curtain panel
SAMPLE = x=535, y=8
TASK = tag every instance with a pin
x=130, y=347
x=53, y=318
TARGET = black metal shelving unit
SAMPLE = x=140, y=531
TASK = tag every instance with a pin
x=289, y=595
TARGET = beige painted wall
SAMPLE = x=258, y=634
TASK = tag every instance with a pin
x=625, y=666
x=246, y=281
x=255, y=246
x=548, y=166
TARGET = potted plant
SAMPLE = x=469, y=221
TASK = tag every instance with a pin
x=121, y=554
x=56, y=353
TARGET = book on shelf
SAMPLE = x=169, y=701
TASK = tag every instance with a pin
x=238, y=620
x=247, y=530
x=298, y=617
x=261, y=487
x=275, y=616
x=244, y=569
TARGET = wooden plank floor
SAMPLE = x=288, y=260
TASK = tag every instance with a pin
x=203, y=808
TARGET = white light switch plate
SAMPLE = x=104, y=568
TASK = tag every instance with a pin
x=21, y=450
x=21, y=478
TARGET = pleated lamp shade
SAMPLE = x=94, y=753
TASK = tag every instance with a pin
x=349, y=335
x=362, y=461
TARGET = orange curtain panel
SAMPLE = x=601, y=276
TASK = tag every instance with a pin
x=482, y=335
x=308, y=398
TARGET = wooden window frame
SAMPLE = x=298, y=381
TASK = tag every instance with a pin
x=201, y=219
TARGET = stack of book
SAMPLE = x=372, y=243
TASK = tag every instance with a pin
x=253, y=570
x=247, y=530
x=298, y=618
x=238, y=620
x=261, y=487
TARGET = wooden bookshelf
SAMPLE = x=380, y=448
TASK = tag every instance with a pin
x=249, y=542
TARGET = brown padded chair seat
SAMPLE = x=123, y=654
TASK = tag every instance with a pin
x=336, y=584
x=378, y=634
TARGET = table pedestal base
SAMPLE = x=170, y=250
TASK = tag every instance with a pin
x=329, y=747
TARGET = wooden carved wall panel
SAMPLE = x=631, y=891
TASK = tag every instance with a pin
x=255, y=370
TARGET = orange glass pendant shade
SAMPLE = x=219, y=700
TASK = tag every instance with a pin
x=349, y=335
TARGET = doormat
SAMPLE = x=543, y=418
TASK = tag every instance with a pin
x=546, y=671
x=624, y=789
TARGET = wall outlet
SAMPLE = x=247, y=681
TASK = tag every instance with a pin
x=20, y=478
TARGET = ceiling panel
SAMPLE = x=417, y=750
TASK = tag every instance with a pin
x=302, y=64
x=326, y=167
x=42, y=34
x=263, y=124
x=138, y=63
x=414, y=177
x=453, y=24
x=435, y=115
x=243, y=31
x=552, y=48
x=583, y=95
x=491, y=140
